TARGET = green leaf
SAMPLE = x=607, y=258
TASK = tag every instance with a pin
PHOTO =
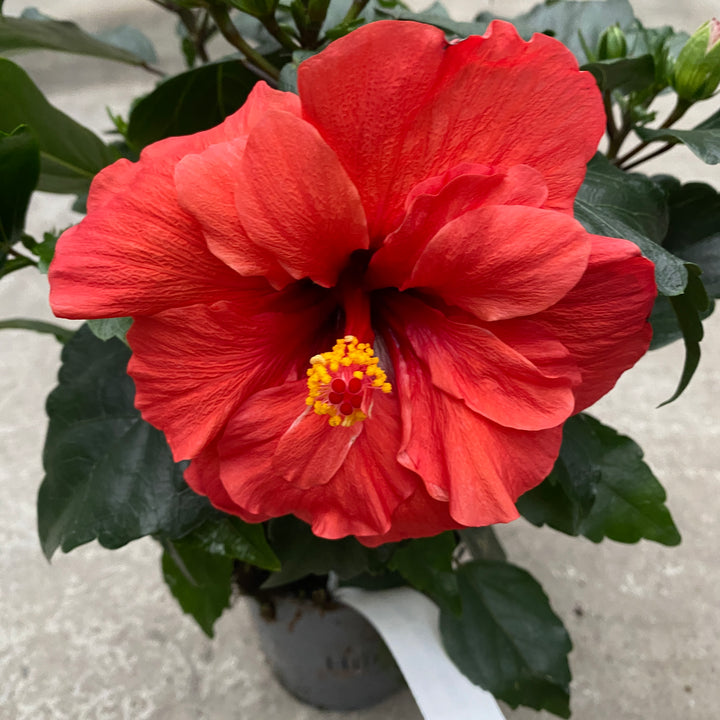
x=663, y=44
x=194, y=100
x=624, y=74
x=688, y=310
x=664, y=321
x=61, y=334
x=200, y=581
x=563, y=20
x=482, y=543
x=19, y=171
x=692, y=235
x=35, y=31
x=703, y=140
x=600, y=487
x=301, y=553
x=230, y=536
x=694, y=231
x=432, y=16
x=109, y=328
x=657, y=41
x=109, y=475
x=130, y=39
x=629, y=205
x=288, y=74
x=507, y=639
x=70, y=154
x=45, y=250
x=427, y=565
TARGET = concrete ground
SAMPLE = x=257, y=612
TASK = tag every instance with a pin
x=96, y=634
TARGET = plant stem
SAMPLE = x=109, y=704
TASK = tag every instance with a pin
x=652, y=155
x=203, y=35
x=270, y=23
x=355, y=9
x=610, y=127
x=681, y=107
x=15, y=253
x=230, y=33
x=61, y=333
x=621, y=133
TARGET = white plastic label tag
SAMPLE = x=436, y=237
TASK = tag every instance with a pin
x=408, y=622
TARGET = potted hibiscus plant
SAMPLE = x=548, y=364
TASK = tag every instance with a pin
x=346, y=311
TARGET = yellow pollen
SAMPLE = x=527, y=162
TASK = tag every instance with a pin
x=339, y=381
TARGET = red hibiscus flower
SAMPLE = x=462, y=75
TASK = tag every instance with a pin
x=370, y=305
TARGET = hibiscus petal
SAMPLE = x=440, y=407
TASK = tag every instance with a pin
x=138, y=252
x=493, y=379
x=418, y=516
x=399, y=104
x=603, y=319
x=316, y=220
x=478, y=467
x=310, y=453
x=110, y=181
x=503, y=262
x=358, y=500
x=440, y=199
x=206, y=189
x=203, y=476
x=193, y=366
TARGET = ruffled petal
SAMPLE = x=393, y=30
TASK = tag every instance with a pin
x=317, y=220
x=308, y=229
x=358, y=500
x=137, y=252
x=502, y=262
x=203, y=476
x=472, y=365
x=418, y=516
x=479, y=468
x=603, y=319
x=399, y=104
x=435, y=202
x=206, y=185
x=193, y=366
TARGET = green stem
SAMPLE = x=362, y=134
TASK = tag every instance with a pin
x=681, y=107
x=15, y=253
x=652, y=155
x=610, y=126
x=621, y=133
x=61, y=333
x=270, y=23
x=203, y=35
x=355, y=9
x=230, y=33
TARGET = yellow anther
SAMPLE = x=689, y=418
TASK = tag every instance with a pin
x=339, y=381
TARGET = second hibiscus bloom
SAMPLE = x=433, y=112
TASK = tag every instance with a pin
x=370, y=305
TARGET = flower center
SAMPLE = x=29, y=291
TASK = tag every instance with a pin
x=340, y=381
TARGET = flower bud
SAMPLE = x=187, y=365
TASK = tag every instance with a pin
x=612, y=44
x=696, y=74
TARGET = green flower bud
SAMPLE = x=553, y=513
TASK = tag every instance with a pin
x=696, y=74
x=612, y=44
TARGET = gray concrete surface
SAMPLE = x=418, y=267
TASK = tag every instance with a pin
x=96, y=636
